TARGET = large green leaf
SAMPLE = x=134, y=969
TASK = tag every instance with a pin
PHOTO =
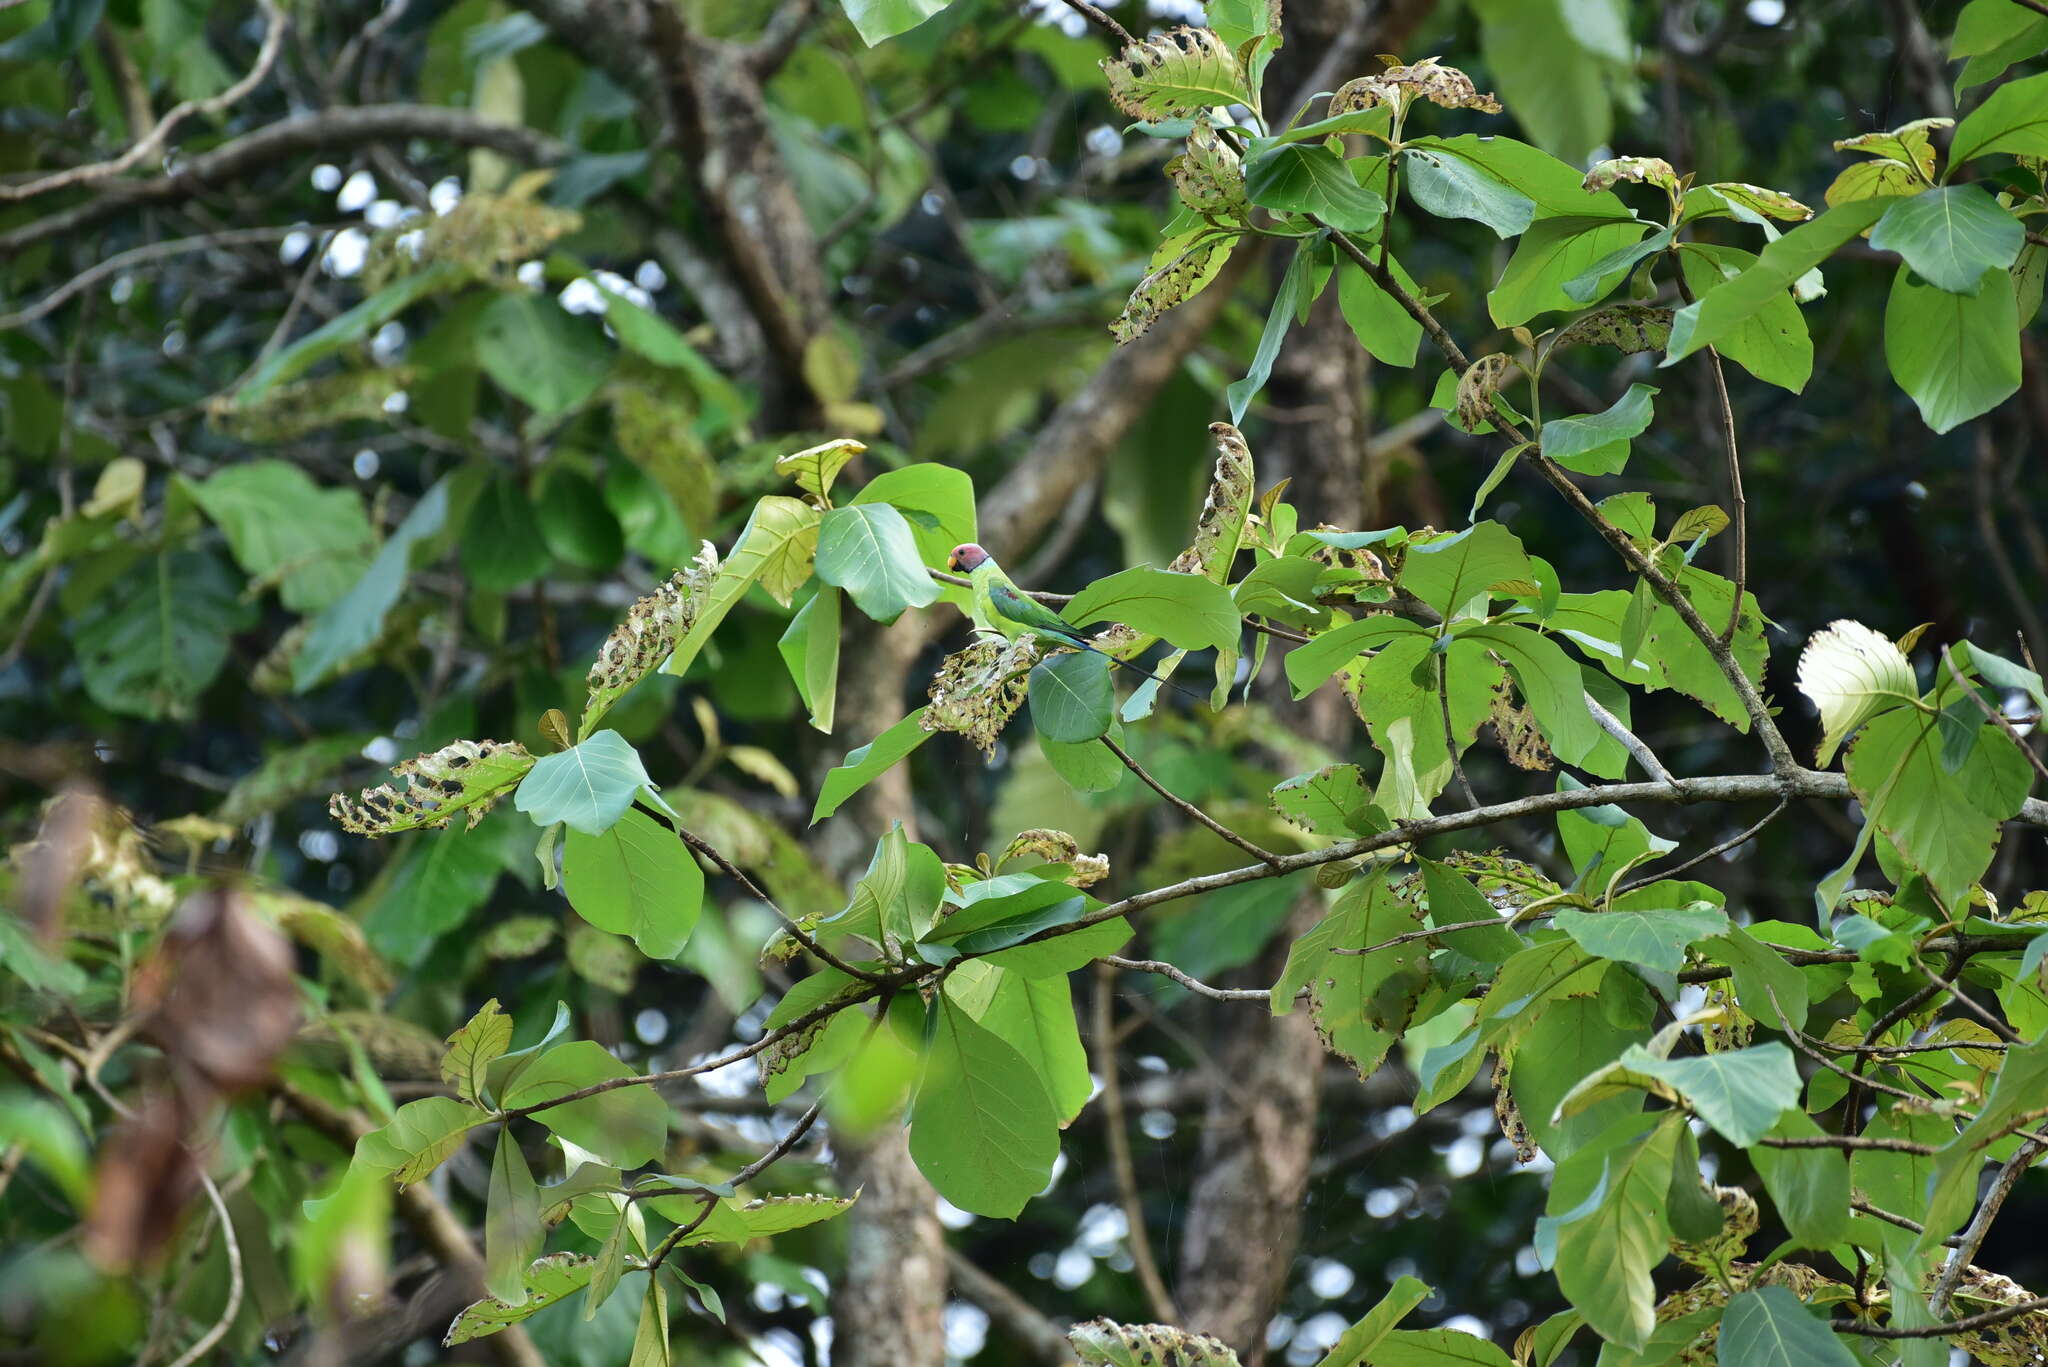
x=152, y=641
x=1308, y=178
x=1558, y=63
x=896, y=899
x=876, y=20
x=1552, y=252
x=1191, y=611
x=1771, y=1328
x=1452, y=187
x=1598, y=443
x=1740, y=1092
x=867, y=549
x=1349, y=993
x=354, y=621
x=1728, y=306
x=312, y=542
x=538, y=352
x=548, y=1281
x=513, y=1233
x=1072, y=699
x=1605, y=1255
x=1952, y=1186
x=635, y=878
x=2014, y=118
x=983, y=1129
x=625, y=1127
x=1653, y=937
x=1437, y=1348
x=1957, y=355
x=1331, y=801
x=1945, y=823
x=587, y=787
x=1773, y=343
x=776, y=549
x=1810, y=1187
x=1035, y=1015
x=1952, y=237
x=938, y=500
x=1308, y=665
x=1450, y=572
x=810, y=650
x=864, y=764
x=1372, y=1328
x=417, y=1139
x=1549, y=681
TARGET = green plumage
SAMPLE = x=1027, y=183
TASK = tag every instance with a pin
x=1000, y=607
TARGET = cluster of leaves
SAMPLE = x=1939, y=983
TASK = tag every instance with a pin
x=939, y=990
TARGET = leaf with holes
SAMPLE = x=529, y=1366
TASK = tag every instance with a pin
x=1176, y=75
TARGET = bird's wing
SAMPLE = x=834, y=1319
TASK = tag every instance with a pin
x=1028, y=612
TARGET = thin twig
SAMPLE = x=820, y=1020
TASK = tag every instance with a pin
x=154, y=251
x=1628, y=739
x=234, y=1305
x=148, y=144
x=1943, y=1329
x=1102, y=21
x=1704, y=856
x=1117, y=1125
x=1194, y=985
x=1980, y=1224
x=1189, y=808
x=2037, y=6
x=1996, y=1026
x=1734, y=494
x=1847, y=1141
x=760, y=894
x=1857, y=1203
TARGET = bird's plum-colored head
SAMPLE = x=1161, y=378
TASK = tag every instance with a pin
x=967, y=558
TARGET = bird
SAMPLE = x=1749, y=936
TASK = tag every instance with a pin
x=1002, y=608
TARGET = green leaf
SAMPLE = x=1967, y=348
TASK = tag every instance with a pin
x=1605, y=1256
x=1951, y=237
x=1558, y=65
x=1452, y=187
x=576, y=524
x=896, y=899
x=1764, y=982
x=983, y=1130
x=1308, y=178
x=1372, y=1328
x=1727, y=307
x=2013, y=118
x=472, y=1048
x=418, y=1138
x=1556, y=187
x=1598, y=443
x=625, y=1127
x=776, y=548
x=1191, y=611
x=541, y=354
x=1945, y=824
x=313, y=543
x=1036, y=1016
x=651, y=1346
x=810, y=651
x=513, y=1233
x=876, y=20
x=1957, y=355
x=1985, y=25
x=1296, y=287
x=1770, y=1328
x=1601, y=277
x=1345, y=989
x=354, y=621
x=1773, y=343
x=1072, y=699
x=1567, y=1039
x=1452, y=573
x=346, y=329
x=1105, y=1343
x=1176, y=74
x=1379, y=322
x=1810, y=1187
x=1552, y=252
x=1308, y=665
x=1952, y=1188
x=587, y=787
x=1653, y=937
x=1283, y=589
x=866, y=763
x=1740, y=1092
x=1548, y=679
x=1437, y=1348
x=151, y=642
x=938, y=501
x=1331, y=800
x=548, y=1281
x=867, y=549
x=502, y=548
x=646, y=334
x=635, y=878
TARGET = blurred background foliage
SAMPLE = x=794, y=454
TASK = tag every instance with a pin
x=350, y=422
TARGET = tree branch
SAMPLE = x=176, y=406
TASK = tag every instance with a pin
x=281, y=141
x=1194, y=812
